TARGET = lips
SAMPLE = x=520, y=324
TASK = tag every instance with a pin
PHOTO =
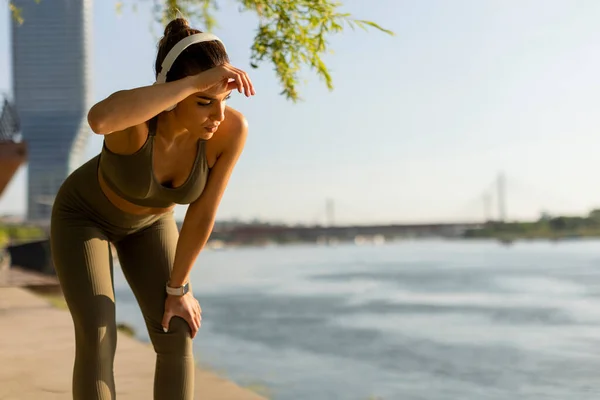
x=211, y=128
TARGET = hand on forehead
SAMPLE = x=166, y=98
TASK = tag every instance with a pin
x=219, y=90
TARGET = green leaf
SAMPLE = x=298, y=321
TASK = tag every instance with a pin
x=16, y=13
x=291, y=34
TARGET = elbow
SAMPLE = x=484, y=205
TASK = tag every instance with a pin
x=96, y=121
x=101, y=116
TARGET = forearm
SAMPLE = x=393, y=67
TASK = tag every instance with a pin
x=127, y=108
x=192, y=238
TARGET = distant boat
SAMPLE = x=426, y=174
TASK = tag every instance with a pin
x=364, y=239
x=378, y=239
x=13, y=152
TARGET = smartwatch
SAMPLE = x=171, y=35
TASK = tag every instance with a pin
x=178, y=291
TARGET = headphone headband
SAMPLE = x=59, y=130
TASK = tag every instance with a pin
x=178, y=49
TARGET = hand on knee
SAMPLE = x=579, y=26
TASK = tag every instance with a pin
x=186, y=307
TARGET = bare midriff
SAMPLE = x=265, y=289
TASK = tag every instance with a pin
x=127, y=206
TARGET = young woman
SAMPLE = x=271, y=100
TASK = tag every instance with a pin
x=174, y=142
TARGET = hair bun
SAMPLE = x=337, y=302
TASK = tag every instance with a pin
x=176, y=26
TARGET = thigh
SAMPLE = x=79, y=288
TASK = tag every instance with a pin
x=146, y=259
x=83, y=264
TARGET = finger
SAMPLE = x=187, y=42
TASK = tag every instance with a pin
x=192, y=324
x=236, y=83
x=198, y=315
x=195, y=328
x=240, y=82
x=233, y=74
x=166, y=320
x=232, y=85
x=246, y=79
x=250, y=85
x=198, y=321
x=241, y=76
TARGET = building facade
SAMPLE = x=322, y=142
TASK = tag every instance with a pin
x=51, y=68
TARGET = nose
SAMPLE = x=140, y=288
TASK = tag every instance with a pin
x=218, y=114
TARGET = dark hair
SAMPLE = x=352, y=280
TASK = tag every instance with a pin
x=193, y=60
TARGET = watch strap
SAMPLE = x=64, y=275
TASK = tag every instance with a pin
x=177, y=291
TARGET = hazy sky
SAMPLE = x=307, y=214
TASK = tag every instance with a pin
x=418, y=125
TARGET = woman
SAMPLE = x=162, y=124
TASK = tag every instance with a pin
x=173, y=142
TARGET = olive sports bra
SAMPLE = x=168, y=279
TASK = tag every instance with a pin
x=132, y=177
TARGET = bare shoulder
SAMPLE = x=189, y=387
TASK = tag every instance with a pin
x=232, y=131
x=235, y=123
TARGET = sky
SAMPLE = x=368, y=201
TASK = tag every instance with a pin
x=418, y=126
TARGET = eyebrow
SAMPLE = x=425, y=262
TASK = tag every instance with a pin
x=205, y=97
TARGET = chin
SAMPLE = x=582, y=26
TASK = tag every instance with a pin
x=205, y=133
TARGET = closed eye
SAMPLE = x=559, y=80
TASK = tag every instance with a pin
x=213, y=100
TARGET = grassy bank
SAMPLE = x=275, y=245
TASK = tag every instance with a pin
x=14, y=233
x=550, y=228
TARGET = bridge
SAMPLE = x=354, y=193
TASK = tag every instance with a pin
x=254, y=234
x=472, y=215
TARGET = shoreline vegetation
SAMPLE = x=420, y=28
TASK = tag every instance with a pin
x=19, y=232
x=545, y=228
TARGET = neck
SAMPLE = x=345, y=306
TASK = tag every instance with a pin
x=168, y=128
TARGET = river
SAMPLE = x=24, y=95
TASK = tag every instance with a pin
x=430, y=319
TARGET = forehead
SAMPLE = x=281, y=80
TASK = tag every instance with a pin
x=216, y=91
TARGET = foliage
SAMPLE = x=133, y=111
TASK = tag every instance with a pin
x=17, y=233
x=552, y=227
x=126, y=329
x=290, y=33
x=4, y=238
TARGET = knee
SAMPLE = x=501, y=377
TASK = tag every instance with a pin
x=176, y=342
x=96, y=332
x=96, y=340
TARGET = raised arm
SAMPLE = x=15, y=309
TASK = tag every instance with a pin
x=127, y=108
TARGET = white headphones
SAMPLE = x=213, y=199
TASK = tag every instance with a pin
x=176, y=51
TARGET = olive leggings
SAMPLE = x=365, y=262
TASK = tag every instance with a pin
x=83, y=223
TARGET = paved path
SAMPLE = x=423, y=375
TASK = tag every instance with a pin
x=36, y=356
x=19, y=277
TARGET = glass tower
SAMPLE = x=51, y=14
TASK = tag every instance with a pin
x=51, y=52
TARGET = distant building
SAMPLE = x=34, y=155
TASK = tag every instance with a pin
x=52, y=90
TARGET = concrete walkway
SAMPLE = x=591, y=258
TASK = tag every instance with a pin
x=37, y=348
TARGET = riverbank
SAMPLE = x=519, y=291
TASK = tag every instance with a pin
x=37, y=348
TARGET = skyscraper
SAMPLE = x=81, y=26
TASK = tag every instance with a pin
x=52, y=91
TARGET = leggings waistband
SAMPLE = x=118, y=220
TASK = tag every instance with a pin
x=81, y=196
